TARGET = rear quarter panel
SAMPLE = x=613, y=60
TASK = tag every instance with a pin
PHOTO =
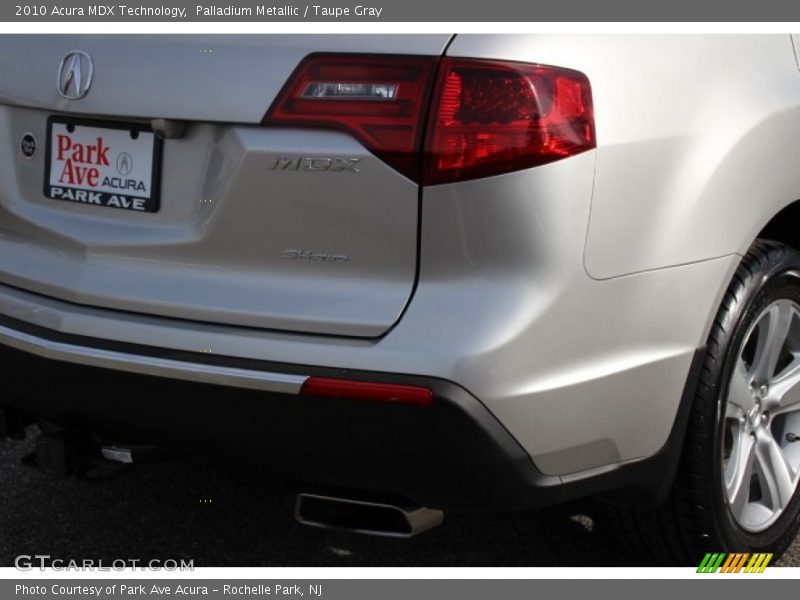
x=697, y=139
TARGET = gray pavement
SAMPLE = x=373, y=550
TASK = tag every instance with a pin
x=193, y=510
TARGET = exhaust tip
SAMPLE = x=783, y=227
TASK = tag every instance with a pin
x=366, y=517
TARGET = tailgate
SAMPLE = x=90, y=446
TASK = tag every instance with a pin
x=234, y=223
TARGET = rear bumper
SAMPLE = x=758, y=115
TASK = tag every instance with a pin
x=14, y=336
x=452, y=455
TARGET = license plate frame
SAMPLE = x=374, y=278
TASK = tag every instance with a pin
x=124, y=199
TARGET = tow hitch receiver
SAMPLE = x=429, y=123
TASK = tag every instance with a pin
x=63, y=453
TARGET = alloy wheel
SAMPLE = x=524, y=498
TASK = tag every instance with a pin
x=760, y=459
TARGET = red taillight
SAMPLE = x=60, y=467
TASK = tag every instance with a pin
x=486, y=117
x=493, y=117
x=365, y=390
x=379, y=99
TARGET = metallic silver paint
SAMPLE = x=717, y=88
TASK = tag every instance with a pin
x=150, y=365
x=175, y=77
x=696, y=139
x=568, y=298
x=213, y=251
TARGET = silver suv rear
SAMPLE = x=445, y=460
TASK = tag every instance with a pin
x=416, y=274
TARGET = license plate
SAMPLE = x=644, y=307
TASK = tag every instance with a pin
x=102, y=164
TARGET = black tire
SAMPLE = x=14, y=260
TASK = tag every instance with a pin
x=696, y=518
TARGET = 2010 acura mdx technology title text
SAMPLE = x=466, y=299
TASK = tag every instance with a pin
x=416, y=274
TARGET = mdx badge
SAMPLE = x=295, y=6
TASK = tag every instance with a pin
x=314, y=163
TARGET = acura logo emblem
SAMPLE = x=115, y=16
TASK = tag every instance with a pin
x=75, y=75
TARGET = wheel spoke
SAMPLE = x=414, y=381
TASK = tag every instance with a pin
x=784, y=392
x=739, y=471
x=739, y=396
x=773, y=472
x=772, y=331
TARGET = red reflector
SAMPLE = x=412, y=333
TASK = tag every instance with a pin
x=493, y=117
x=365, y=390
x=381, y=100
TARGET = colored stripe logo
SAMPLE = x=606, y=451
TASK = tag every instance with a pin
x=738, y=562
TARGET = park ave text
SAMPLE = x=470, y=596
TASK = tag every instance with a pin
x=315, y=12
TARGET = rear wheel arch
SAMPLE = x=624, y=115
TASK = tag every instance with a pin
x=783, y=226
x=694, y=518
